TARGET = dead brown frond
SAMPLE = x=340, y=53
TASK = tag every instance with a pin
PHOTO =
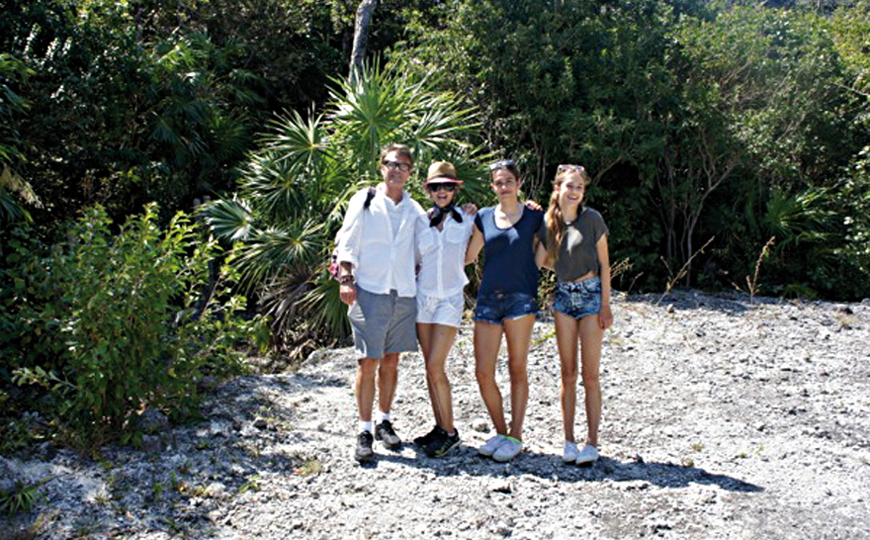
x=673, y=279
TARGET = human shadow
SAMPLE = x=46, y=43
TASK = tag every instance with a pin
x=466, y=461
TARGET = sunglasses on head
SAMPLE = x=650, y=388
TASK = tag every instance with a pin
x=569, y=167
x=502, y=164
x=393, y=165
x=434, y=187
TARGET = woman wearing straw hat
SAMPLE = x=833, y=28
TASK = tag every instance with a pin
x=442, y=237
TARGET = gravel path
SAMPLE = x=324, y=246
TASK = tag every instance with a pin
x=721, y=420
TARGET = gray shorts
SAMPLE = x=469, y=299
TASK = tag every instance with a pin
x=382, y=323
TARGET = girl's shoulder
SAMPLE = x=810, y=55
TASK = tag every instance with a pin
x=592, y=214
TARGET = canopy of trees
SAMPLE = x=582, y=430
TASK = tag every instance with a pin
x=724, y=139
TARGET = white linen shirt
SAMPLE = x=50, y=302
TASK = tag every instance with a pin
x=382, y=260
x=442, y=255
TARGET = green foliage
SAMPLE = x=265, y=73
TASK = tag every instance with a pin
x=13, y=187
x=21, y=498
x=294, y=190
x=684, y=112
x=145, y=101
x=108, y=324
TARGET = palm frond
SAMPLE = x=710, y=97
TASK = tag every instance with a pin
x=230, y=220
x=275, y=249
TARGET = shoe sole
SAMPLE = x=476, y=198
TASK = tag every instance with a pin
x=394, y=446
x=389, y=446
x=505, y=459
x=364, y=458
x=587, y=463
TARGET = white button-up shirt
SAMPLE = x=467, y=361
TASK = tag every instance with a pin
x=383, y=260
x=442, y=255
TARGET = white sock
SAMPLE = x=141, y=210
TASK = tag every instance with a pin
x=385, y=416
x=365, y=426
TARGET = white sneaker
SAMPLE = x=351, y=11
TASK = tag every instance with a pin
x=508, y=449
x=589, y=454
x=570, y=452
x=489, y=447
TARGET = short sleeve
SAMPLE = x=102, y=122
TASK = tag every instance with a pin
x=599, y=227
x=478, y=221
x=542, y=232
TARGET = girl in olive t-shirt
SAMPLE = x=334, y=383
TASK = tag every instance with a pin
x=574, y=244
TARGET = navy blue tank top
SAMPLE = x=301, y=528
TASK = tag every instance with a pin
x=510, y=260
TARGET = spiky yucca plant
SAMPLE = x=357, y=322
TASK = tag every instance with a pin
x=294, y=190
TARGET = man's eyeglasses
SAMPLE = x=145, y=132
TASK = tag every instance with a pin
x=502, y=164
x=393, y=165
x=434, y=187
x=569, y=167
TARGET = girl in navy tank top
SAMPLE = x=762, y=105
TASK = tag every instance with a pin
x=506, y=304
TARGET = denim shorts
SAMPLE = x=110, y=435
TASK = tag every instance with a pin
x=578, y=299
x=498, y=307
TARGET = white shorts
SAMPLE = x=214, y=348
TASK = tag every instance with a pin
x=446, y=311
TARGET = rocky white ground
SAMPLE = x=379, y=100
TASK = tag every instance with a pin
x=722, y=420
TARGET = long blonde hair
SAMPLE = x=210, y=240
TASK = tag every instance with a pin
x=554, y=217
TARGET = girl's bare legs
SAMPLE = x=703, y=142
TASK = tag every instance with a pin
x=567, y=330
x=591, y=336
x=487, y=340
x=518, y=334
x=436, y=340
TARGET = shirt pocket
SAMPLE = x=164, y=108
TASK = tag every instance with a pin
x=426, y=241
x=455, y=235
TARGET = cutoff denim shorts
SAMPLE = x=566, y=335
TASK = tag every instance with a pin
x=498, y=307
x=578, y=299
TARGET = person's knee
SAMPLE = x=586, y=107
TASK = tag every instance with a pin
x=518, y=371
x=435, y=370
x=569, y=376
x=590, y=379
x=368, y=366
x=484, y=376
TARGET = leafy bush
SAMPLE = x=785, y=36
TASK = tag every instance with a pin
x=110, y=325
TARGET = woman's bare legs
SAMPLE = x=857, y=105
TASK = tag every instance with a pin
x=591, y=336
x=436, y=340
x=487, y=341
x=518, y=334
x=567, y=331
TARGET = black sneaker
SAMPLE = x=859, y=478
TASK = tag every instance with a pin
x=364, y=450
x=384, y=432
x=443, y=444
x=429, y=438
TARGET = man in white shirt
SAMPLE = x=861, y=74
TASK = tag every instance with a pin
x=376, y=254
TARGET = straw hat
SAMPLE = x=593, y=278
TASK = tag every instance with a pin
x=442, y=172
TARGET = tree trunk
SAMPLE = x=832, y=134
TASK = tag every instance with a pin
x=361, y=35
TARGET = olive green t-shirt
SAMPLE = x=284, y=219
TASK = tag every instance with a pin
x=577, y=254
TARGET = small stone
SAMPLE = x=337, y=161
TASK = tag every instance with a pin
x=670, y=308
x=501, y=486
x=480, y=425
x=216, y=490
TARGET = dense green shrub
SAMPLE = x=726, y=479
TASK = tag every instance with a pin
x=111, y=324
